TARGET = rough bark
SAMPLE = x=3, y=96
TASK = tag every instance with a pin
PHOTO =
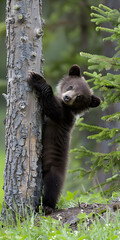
x=22, y=174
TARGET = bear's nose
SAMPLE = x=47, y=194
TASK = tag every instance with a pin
x=67, y=98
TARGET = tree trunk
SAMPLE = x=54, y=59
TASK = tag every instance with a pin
x=22, y=174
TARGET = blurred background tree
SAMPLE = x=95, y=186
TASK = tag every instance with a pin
x=67, y=31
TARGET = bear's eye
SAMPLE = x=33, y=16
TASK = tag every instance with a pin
x=78, y=98
x=69, y=88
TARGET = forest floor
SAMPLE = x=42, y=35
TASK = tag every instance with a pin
x=86, y=221
x=85, y=212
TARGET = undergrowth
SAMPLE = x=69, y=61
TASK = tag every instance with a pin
x=73, y=199
x=45, y=228
x=34, y=228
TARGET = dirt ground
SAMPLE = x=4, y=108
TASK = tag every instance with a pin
x=70, y=215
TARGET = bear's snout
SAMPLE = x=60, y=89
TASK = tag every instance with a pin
x=67, y=98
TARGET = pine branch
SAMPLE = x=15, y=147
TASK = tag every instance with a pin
x=101, y=62
x=105, y=14
x=112, y=117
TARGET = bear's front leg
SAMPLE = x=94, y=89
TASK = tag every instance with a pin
x=51, y=107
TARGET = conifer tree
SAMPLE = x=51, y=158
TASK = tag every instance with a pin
x=109, y=85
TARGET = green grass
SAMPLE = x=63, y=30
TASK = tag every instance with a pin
x=105, y=227
x=2, y=163
x=72, y=199
x=2, y=151
x=46, y=228
x=3, y=84
x=32, y=228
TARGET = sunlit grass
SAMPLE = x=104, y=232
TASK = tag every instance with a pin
x=2, y=163
x=46, y=228
x=2, y=135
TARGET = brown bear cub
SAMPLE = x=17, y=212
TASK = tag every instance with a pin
x=73, y=98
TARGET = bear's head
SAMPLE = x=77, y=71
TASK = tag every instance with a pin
x=75, y=91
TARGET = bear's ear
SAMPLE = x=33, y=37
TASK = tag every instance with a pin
x=75, y=71
x=95, y=101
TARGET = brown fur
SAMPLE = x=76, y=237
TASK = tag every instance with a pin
x=74, y=97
